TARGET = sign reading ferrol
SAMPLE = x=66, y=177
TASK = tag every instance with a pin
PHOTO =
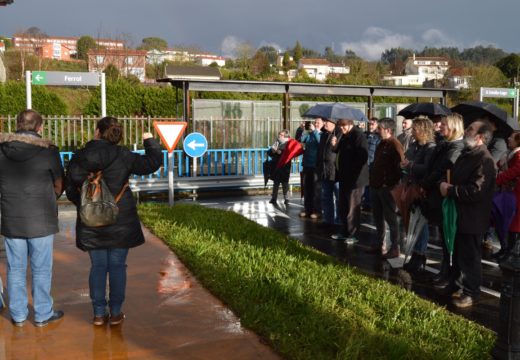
x=63, y=78
x=498, y=92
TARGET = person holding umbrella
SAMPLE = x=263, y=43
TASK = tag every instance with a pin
x=326, y=172
x=352, y=170
x=472, y=188
x=442, y=160
x=415, y=166
x=279, y=175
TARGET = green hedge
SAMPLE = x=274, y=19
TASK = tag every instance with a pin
x=305, y=304
x=13, y=100
x=125, y=98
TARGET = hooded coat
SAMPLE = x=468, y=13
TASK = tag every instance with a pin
x=30, y=168
x=117, y=164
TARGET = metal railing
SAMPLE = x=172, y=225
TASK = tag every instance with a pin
x=72, y=132
x=225, y=166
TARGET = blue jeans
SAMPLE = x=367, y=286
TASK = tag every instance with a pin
x=39, y=251
x=113, y=263
x=329, y=201
x=422, y=240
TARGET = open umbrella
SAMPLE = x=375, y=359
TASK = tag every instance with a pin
x=335, y=111
x=473, y=110
x=424, y=108
x=503, y=212
x=416, y=224
x=292, y=149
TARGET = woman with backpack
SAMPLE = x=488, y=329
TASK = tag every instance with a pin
x=108, y=245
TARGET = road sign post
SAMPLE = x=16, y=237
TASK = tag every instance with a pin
x=170, y=133
x=504, y=93
x=28, y=90
x=64, y=78
x=195, y=145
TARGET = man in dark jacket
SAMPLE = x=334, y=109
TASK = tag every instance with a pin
x=326, y=173
x=385, y=173
x=352, y=173
x=472, y=187
x=31, y=179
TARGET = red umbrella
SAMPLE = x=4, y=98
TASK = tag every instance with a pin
x=292, y=149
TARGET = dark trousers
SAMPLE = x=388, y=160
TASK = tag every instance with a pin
x=276, y=186
x=349, y=208
x=384, y=209
x=467, y=266
x=311, y=191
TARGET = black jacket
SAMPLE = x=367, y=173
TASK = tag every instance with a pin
x=283, y=173
x=117, y=164
x=29, y=168
x=419, y=157
x=443, y=158
x=473, y=182
x=326, y=159
x=352, y=159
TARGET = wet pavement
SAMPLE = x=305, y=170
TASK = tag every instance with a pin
x=169, y=315
x=310, y=232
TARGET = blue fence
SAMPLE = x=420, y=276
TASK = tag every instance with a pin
x=217, y=162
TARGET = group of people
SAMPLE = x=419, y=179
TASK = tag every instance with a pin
x=32, y=178
x=346, y=169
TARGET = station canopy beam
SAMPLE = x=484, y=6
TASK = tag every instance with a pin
x=302, y=89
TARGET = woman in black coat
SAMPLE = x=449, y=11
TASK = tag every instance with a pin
x=279, y=175
x=108, y=245
x=415, y=165
x=443, y=159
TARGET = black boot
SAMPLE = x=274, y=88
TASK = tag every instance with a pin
x=417, y=262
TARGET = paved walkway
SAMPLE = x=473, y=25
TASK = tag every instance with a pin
x=169, y=315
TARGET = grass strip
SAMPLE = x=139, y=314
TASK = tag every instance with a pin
x=308, y=305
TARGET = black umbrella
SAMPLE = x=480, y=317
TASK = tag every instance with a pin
x=473, y=110
x=428, y=109
x=334, y=112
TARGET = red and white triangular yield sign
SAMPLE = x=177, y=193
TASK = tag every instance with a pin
x=170, y=132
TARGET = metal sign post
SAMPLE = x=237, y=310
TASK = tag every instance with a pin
x=195, y=145
x=64, y=78
x=170, y=133
x=170, y=179
x=28, y=90
x=506, y=93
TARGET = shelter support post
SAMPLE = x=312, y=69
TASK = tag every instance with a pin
x=286, y=110
x=186, y=100
x=370, y=107
x=507, y=345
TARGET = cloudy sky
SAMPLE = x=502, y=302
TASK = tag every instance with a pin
x=365, y=26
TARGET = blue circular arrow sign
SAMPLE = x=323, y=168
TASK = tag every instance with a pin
x=195, y=145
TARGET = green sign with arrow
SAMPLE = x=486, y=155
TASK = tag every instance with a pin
x=39, y=77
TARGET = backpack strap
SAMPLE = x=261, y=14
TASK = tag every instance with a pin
x=118, y=196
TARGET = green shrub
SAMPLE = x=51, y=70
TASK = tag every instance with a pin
x=160, y=101
x=305, y=304
x=122, y=99
x=13, y=100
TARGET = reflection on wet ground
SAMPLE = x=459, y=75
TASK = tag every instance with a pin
x=169, y=315
x=310, y=232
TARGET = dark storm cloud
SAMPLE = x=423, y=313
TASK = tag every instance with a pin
x=367, y=26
